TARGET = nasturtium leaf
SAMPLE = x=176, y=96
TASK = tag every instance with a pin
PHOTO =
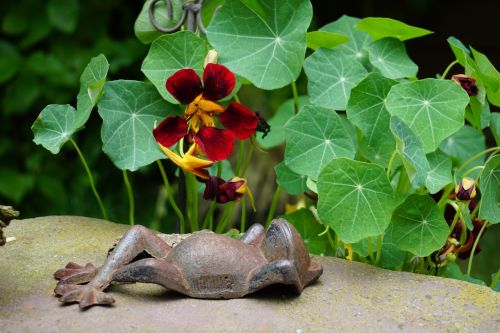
x=355, y=48
x=63, y=14
x=312, y=185
x=464, y=144
x=325, y=39
x=314, y=137
x=91, y=85
x=170, y=53
x=351, y=130
x=366, y=110
x=331, y=76
x=489, y=75
x=495, y=287
x=144, y=29
x=380, y=154
x=381, y=27
x=355, y=199
x=361, y=247
x=389, y=56
x=411, y=150
x=418, y=226
x=305, y=223
x=10, y=60
x=57, y=123
x=391, y=256
x=263, y=41
x=439, y=174
x=453, y=271
x=490, y=191
x=129, y=110
x=277, y=134
x=291, y=182
x=54, y=126
x=460, y=51
x=433, y=109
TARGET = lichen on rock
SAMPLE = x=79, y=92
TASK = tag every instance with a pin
x=7, y=214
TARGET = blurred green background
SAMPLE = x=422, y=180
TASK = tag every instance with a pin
x=44, y=46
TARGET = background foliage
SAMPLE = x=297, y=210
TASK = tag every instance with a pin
x=45, y=46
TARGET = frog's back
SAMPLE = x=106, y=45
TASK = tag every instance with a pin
x=215, y=266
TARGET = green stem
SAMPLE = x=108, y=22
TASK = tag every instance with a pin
x=192, y=200
x=332, y=243
x=476, y=241
x=236, y=98
x=450, y=66
x=225, y=217
x=241, y=157
x=455, y=220
x=170, y=198
x=494, y=281
x=219, y=169
x=208, y=221
x=247, y=161
x=473, y=158
x=295, y=98
x=391, y=162
x=274, y=203
x=243, y=215
x=444, y=197
x=471, y=170
x=475, y=210
x=91, y=180
x=131, y=203
x=379, y=250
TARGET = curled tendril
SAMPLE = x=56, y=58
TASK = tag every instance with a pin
x=191, y=15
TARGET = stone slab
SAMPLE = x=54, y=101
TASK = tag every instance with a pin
x=349, y=297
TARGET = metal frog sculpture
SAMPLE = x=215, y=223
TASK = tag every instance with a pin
x=204, y=265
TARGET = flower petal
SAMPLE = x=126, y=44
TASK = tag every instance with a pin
x=218, y=82
x=170, y=130
x=240, y=120
x=218, y=144
x=184, y=85
x=212, y=187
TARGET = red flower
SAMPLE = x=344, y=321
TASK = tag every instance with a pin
x=187, y=88
x=221, y=191
x=467, y=83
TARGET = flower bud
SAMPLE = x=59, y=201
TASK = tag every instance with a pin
x=467, y=83
x=211, y=58
x=466, y=190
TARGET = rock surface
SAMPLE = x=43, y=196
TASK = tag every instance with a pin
x=349, y=297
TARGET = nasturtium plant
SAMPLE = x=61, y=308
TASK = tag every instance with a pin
x=379, y=164
x=265, y=48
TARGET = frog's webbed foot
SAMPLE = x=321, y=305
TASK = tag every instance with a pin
x=86, y=295
x=76, y=274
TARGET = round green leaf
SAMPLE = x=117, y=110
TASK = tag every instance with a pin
x=460, y=51
x=418, y=226
x=145, y=31
x=331, y=76
x=9, y=61
x=277, y=134
x=325, y=39
x=291, y=182
x=495, y=126
x=355, y=199
x=170, y=53
x=355, y=48
x=129, y=110
x=389, y=56
x=439, y=174
x=306, y=224
x=54, y=126
x=464, y=144
x=490, y=191
x=263, y=41
x=410, y=149
x=91, y=86
x=314, y=137
x=380, y=27
x=391, y=256
x=366, y=109
x=433, y=109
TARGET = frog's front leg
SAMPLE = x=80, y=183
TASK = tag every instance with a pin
x=135, y=241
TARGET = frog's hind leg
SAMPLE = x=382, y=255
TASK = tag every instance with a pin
x=134, y=242
x=155, y=271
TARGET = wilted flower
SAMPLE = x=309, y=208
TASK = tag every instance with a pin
x=224, y=191
x=466, y=190
x=467, y=83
